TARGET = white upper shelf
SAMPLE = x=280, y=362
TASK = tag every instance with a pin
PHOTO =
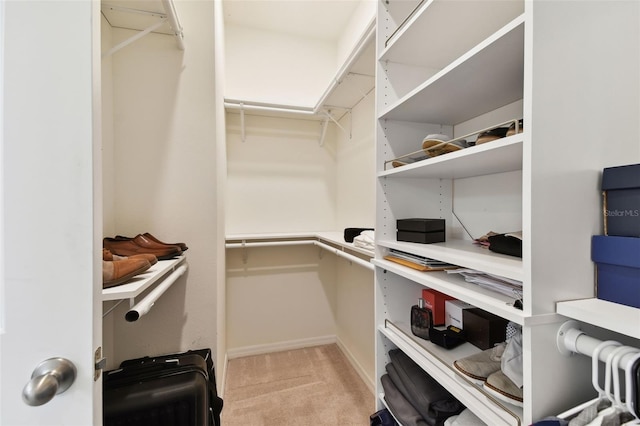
x=445, y=98
x=431, y=21
x=157, y=16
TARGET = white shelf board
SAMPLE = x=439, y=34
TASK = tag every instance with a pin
x=464, y=253
x=601, y=313
x=432, y=22
x=455, y=286
x=446, y=99
x=141, y=282
x=438, y=362
x=502, y=155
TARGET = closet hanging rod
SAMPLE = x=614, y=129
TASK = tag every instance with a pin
x=570, y=339
x=269, y=107
x=324, y=246
x=142, y=307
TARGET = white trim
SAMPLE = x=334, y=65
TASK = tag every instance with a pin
x=280, y=346
x=2, y=26
x=369, y=381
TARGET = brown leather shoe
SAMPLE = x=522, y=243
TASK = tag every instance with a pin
x=182, y=246
x=118, y=272
x=131, y=247
x=107, y=255
x=148, y=240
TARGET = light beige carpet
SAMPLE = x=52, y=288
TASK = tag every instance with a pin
x=310, y=386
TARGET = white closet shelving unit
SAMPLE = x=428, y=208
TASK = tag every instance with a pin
x=452, y=67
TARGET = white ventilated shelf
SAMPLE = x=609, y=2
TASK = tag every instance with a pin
x=438, y=363
x=503, y=155
x=601, y=313
x=465, y=254
x=502, y=53
x=333, y=237
x=142, y=282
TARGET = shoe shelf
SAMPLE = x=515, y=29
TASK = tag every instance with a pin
x=601, y=313
x=138, y=284
x=502, y=53
x=503, y=155
x=438, y=362
x=455, y=286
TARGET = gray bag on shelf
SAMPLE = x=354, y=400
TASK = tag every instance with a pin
x=434, y=403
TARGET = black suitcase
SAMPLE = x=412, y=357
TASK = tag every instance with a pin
x=176, y=389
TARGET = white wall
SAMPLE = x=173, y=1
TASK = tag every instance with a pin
x=267, y=66
x=280, y=297
x=164, y=176
x=280, y=179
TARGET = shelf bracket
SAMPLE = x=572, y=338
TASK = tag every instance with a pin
x=136, y=37
x=323, y=132
x=245, y=253
x=243, y=134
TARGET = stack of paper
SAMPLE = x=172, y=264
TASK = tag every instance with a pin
x=420, y=263
x=497, y=283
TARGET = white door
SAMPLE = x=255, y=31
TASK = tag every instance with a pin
x=49, y=299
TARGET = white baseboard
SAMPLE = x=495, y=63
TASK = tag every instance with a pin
x=280, y=346
x=357, y=366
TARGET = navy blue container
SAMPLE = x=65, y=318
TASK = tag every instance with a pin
x=618, y=268
x=621, y=196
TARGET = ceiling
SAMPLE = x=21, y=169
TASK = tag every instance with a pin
x=318, y=19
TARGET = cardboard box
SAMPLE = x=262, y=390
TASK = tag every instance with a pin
x=453, y=312
x=617, y=269
x=483, y=329
x=621, y=200
x=418, y=230
x=435, y=300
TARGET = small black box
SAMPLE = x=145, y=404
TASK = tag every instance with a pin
x=421, y=237
x=483, y=329
x=424, y=231
x=420, y=225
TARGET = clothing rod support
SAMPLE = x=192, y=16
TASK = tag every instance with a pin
x=570, y=339
x=143, y=307
x=130, y=40
x=242, y=127
x=173, y=21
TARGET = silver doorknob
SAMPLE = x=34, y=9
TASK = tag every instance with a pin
x=51, y=377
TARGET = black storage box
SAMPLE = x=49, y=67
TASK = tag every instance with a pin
x=483, y=329
x=621, y=199
x=418, y=230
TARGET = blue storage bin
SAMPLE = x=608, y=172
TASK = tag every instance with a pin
x=621, y=198
x=618, y=269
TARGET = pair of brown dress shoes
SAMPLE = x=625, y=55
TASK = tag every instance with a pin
x=126, y=257
x=143, y=243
